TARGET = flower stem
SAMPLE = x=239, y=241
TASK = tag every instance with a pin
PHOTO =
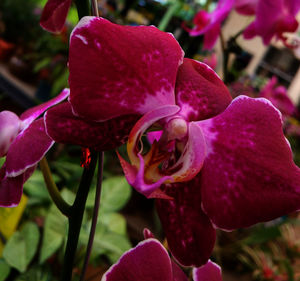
x=95, y=216
x=75, y=218
x=95, y=8
x=60, y=203
x=225, y=58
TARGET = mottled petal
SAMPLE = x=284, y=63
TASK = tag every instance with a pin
x=31, y=114
x=11, y=188
x=190, y=235
x=117, y=70
x=64, y=127
x=200, y=92
x=208, y=272
x=54, y=15
x=9, y=129
x=249, y=175
x=148, y=261
x=28, y=149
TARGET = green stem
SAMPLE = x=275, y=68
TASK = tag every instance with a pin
x=173, y=8
x=60, y=203
x=75, y=218
x=83, y=8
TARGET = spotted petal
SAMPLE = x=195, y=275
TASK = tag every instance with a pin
x=200, y=92
x=11, y=188
x=249, y=175
x=28, y=149
x=148, y=261
x=118, y=70
x=31, y=114
x=54, y=15
x=190, y=235
x=208, y=272
x=64, y=127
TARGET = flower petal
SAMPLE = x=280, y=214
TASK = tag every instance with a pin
x=28, y=149
x=192, y=157
x=249, y=175
x=64, y=127
x=246, y=7
x=148, y=261
x=208, y=272
x=31, y=114
x=11, y=188
x=9, y=128
x=200, y=92
x=178, y=274
x=118, y=70
x=273, y=18
x=190, y=235
x=54, y=15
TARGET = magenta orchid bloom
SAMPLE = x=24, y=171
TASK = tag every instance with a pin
x=149, y=261
x=24, y=142
x=54, y=15
x=279, y=97
x=209, y=24
x=216, y=163
x=273, y=18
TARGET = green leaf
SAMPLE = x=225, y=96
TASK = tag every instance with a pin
x=114, y=222
x=36, y=273
x=111, y=243
x=115, y=194
x=22, y=246
x=36, y=189
x=262, y=234
x=55, y=228
x=4, y=270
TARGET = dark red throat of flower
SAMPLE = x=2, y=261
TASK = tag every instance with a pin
x=85, y=157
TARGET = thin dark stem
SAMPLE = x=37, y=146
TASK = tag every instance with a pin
x=83, y=8
x=95, y=216
x=95, y=8
x=225, y=58
x=75, y=218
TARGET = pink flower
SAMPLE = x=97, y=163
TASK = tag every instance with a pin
x=24, y=142
x=217, y=163
x=279, y=97
x=209, y=24
x=273, y=18
x=149, y=260
x=54, y=15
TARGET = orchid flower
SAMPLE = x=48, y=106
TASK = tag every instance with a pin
x=149, y=261
x=24, y=142
x=278, y=96
x=273, y=18
x=54, y=15
x=212, y=162
x=209, y=24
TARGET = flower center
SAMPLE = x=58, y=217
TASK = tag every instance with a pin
x=176, y=129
